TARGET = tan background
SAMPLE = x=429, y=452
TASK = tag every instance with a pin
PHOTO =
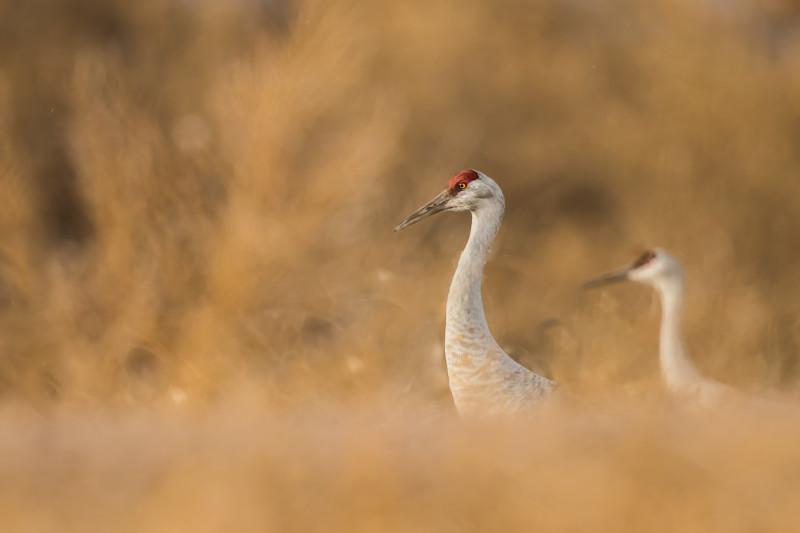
x=196, y=204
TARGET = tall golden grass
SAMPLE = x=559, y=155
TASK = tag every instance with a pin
x=207, y=323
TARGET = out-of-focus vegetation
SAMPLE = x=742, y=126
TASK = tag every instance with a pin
x=196, y=204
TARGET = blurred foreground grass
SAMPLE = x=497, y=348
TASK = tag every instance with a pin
x=593, y=468
x=206, y=322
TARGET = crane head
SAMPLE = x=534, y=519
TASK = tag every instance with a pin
x=653, y=267
x=466, y=191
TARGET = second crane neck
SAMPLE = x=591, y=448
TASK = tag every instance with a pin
x=677, y=368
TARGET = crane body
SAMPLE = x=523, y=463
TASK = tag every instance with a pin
x=663, y=272
x=484, y=380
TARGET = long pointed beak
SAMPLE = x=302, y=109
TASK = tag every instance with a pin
x=606, y=279
x=436, y=205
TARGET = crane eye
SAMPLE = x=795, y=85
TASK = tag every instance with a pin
x=644, y=259
x=462, y=185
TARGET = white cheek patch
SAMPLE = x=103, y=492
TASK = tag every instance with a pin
x=483, y=193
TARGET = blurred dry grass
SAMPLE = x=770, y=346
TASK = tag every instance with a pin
x=207, y=323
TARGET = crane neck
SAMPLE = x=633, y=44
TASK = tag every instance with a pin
x=676, y=367
x=465, y=314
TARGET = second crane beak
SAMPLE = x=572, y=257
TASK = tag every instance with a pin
x=605, y=279
x=437, y=205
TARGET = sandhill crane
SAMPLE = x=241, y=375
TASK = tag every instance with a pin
x=484, y=380
x=661, y=271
